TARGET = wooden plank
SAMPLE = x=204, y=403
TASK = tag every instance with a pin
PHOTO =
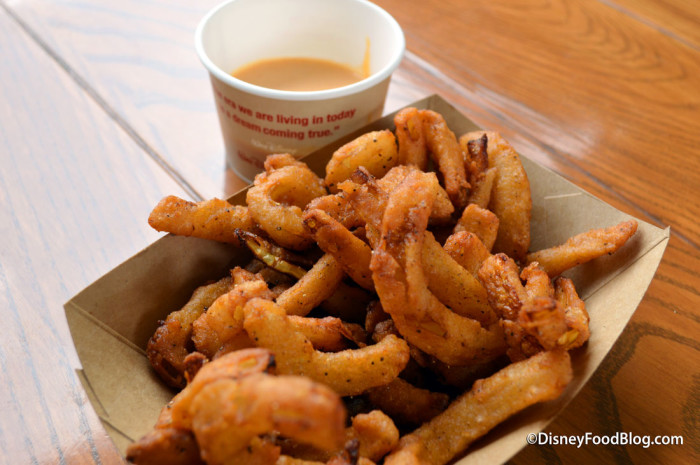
x=75, y=192
x=676, y=18
x=585, y=92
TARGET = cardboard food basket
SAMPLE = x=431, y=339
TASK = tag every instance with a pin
x=112, y=319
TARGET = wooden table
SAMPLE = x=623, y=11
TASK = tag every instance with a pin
x=105, y=109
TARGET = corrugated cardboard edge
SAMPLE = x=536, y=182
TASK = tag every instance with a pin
x=111, y=319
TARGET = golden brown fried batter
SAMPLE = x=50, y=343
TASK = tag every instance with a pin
x=397, y=267
x=375, y=151
x=348, y=372
x=317, y=285
x=163, y=446
x=406, y=403
x=479, y=175
x=411, y=138
x=332, y=237
x=228, y=414
x=328, y=334
x=447, y=155
x=480, y=221
x=338, y=207
x=213, y=219
x=376, y=433
x=450, y=282
x=233, y=365
x=442, y=210
x=510, y=200
x=583, y=247
x=276, y=201
x=575, y=312
x=467, y=249
x=220, y=329
x=167, y=348
x=489, y=402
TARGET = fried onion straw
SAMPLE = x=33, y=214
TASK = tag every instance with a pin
x=348, y=372
x=375, y=151
x=466, y=249
x=411, y=138
x=510, y=199
x=447, y=155
x=167, y=348
x=397, y=267
x=376, y=433
x=233, y=365
x=277, y=198
x=213, y=219
x=450, y=282
x=490, y=401
x=442, y=210
x=479, y=175
x=317, y=285
x=334, y=238
x=219, y=329
x=228, y=414
x=406, y=403
x=583, y=247
x=535, y=316
x=480, y=221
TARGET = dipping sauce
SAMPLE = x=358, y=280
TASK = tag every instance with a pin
x=299, y=74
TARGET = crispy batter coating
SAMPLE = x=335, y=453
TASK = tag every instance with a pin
x=442, y=210
x=219, y=330
x=575, y=312
x=535, y=316
x=233, y=365
x=511, y=200
x=583, y=247
x=501, y=278
x=480, y=221
x=162, y=446
x=375, y=151
x=543, y=318
x=453, y=285
x=540, y=378
x=447, y=155
x=444, y=317
x=317, y=285
x=479, y=175
x=406, y=403
x=167, y=348
x=276, y=201
x=348, y=372
x=376, y=433
x=450, y=282
x=329, y=334
x=338, y=207
x=228, y=414
x=411, y=138
x=400, y=281
x=213, y=219
x=467, y=249
x=332, y=237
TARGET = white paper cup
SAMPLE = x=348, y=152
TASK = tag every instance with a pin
x=257, y=121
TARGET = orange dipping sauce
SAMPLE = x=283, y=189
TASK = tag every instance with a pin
x=299, y=74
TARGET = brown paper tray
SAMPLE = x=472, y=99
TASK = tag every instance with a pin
x=112, y=319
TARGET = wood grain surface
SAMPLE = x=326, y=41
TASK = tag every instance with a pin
x=105, y=108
